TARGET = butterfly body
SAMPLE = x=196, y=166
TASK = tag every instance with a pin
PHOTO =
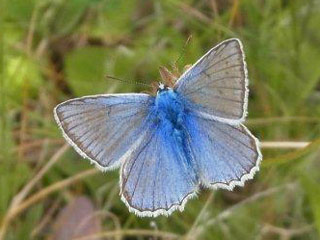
x=189, y=135
x=170, y=112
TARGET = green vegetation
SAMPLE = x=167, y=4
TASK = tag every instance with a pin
x=54, y=50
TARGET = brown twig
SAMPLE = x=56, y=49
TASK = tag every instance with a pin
x=214, y=7
x=229, y=211
x=37, y=143
x=26, y=189
x=131, y=232
x=51, y=189
x=31, y=29
x=13, y=212
x=284, y=144
x=16, y=202
x=24, y=115
x=234, y=12
x=284, y=233
x=200, y=218
x=272, y=120
x=194, y=12
x=46, y=219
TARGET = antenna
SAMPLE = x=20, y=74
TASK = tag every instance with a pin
x=182, y=52
x=128, y=81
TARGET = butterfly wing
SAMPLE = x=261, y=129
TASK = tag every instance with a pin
x=216, y=85
x=104, y=128
x=226, y=155
x=158, y=178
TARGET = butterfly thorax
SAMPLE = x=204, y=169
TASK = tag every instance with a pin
x=169, y=109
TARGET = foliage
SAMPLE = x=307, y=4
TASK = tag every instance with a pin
x=53, y=50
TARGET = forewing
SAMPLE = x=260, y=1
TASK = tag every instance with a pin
x=158, y=178
x=216, y=85
x=227, y=155
x=104, y=128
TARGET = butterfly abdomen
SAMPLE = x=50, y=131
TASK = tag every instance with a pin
x=171, y=115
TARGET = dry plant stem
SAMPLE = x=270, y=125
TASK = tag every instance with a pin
x=12, y=213
x=200, y=217
x=24, y=120
x=114, y=219
x=46, y=219
x=42, y=154
x=226, y=231
x=37, y=143
x=279, y=145
x=26, y=189
x=194, y=13
x=24, y=117
x=3, y=122
x=286, y=234
x=17, y=199
x=51, y=189
x=292, y=155
x=271, y=120
x=104, y=214
x=132, y=232
x=114, y=192
x=31, y=29
x=234, y=12
x=214, y=7
x=229, y=211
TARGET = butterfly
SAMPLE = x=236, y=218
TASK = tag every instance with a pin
x=189, y=135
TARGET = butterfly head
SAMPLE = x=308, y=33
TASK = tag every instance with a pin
x=162, y=87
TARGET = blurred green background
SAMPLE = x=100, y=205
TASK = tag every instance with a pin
x=54, y=50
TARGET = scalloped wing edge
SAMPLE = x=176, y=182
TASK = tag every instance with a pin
x=231, y=185
x=158, y=212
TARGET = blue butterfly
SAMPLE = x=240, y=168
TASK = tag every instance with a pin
x=190, y=134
